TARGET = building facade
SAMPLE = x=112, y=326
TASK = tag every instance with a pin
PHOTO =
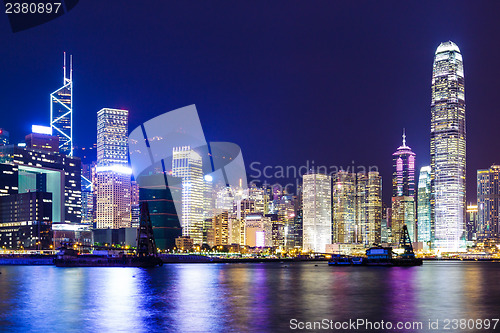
x=403, y=192
x=472, y=222
x=43, y=171
x=369, y=208
x=26, y=220
x=488, y=202
x=424, y=226
x=61, y=111
x=113, y=175
x=344, y=208
x=448, y=148
x=187, y=165
x=317, y=208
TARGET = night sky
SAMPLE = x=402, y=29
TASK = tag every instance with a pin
x=288, y=81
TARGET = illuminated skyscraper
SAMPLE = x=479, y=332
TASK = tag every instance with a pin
x=403, y=212
x=344, y=208
x=61, y=111
x=357, y=207
x=448, y=148
x=403, y=192
x=403, y=175
x=112, y=137
x=471, y=222
x=113, y=185
x=317, y=205
x=187, y=165
x=369, y=207
x=135, y=205
x=424, y=205
x=488, y=202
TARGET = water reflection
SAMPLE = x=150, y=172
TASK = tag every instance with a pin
x=239, y=297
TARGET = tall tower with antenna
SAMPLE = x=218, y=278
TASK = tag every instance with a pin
x=61, y=111
x=403, y=191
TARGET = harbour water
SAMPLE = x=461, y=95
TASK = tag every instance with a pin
x=249, y=297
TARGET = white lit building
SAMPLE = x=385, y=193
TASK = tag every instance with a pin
x=448, y=138
x=113, y=175
x=187, y=165
x=317, y=206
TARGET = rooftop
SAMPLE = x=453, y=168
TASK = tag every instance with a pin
x=447, y=46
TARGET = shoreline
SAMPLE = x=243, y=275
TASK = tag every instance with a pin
x=28, y=260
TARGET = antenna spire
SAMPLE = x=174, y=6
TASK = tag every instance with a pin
x=64, y=67
x=404, y=137
x=71, y=67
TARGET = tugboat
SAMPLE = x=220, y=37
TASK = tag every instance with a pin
x=146, y=255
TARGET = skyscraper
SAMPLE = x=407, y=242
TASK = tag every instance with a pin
x=369, y=207
x=403, y=191
x=448, y=148
x=317, y=206
x=344, y=207
x=488, y=202
x=187, y=165
x=424, y=205
x=357, y=207
x=471, y=222
x=113, y=185
x=403, y=175
x=61, y=111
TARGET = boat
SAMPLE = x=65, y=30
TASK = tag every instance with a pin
x=340, y=260
x=67, y=259
x=382, y=255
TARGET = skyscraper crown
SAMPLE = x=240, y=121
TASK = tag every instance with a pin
x=447, y=46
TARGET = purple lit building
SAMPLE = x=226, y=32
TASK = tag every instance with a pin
x=403, y=176
x=403, y=192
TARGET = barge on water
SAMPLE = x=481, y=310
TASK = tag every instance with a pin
x=382, y=256
x=72, y=260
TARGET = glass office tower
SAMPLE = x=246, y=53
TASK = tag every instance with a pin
x=424, y=205
x=448, y=148
x=317, y=205
x=61, y=111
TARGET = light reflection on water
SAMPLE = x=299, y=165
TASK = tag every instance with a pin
x=240, y=297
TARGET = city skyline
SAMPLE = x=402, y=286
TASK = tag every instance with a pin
x=395, y=76
x=249, y=166
x=113, y=180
